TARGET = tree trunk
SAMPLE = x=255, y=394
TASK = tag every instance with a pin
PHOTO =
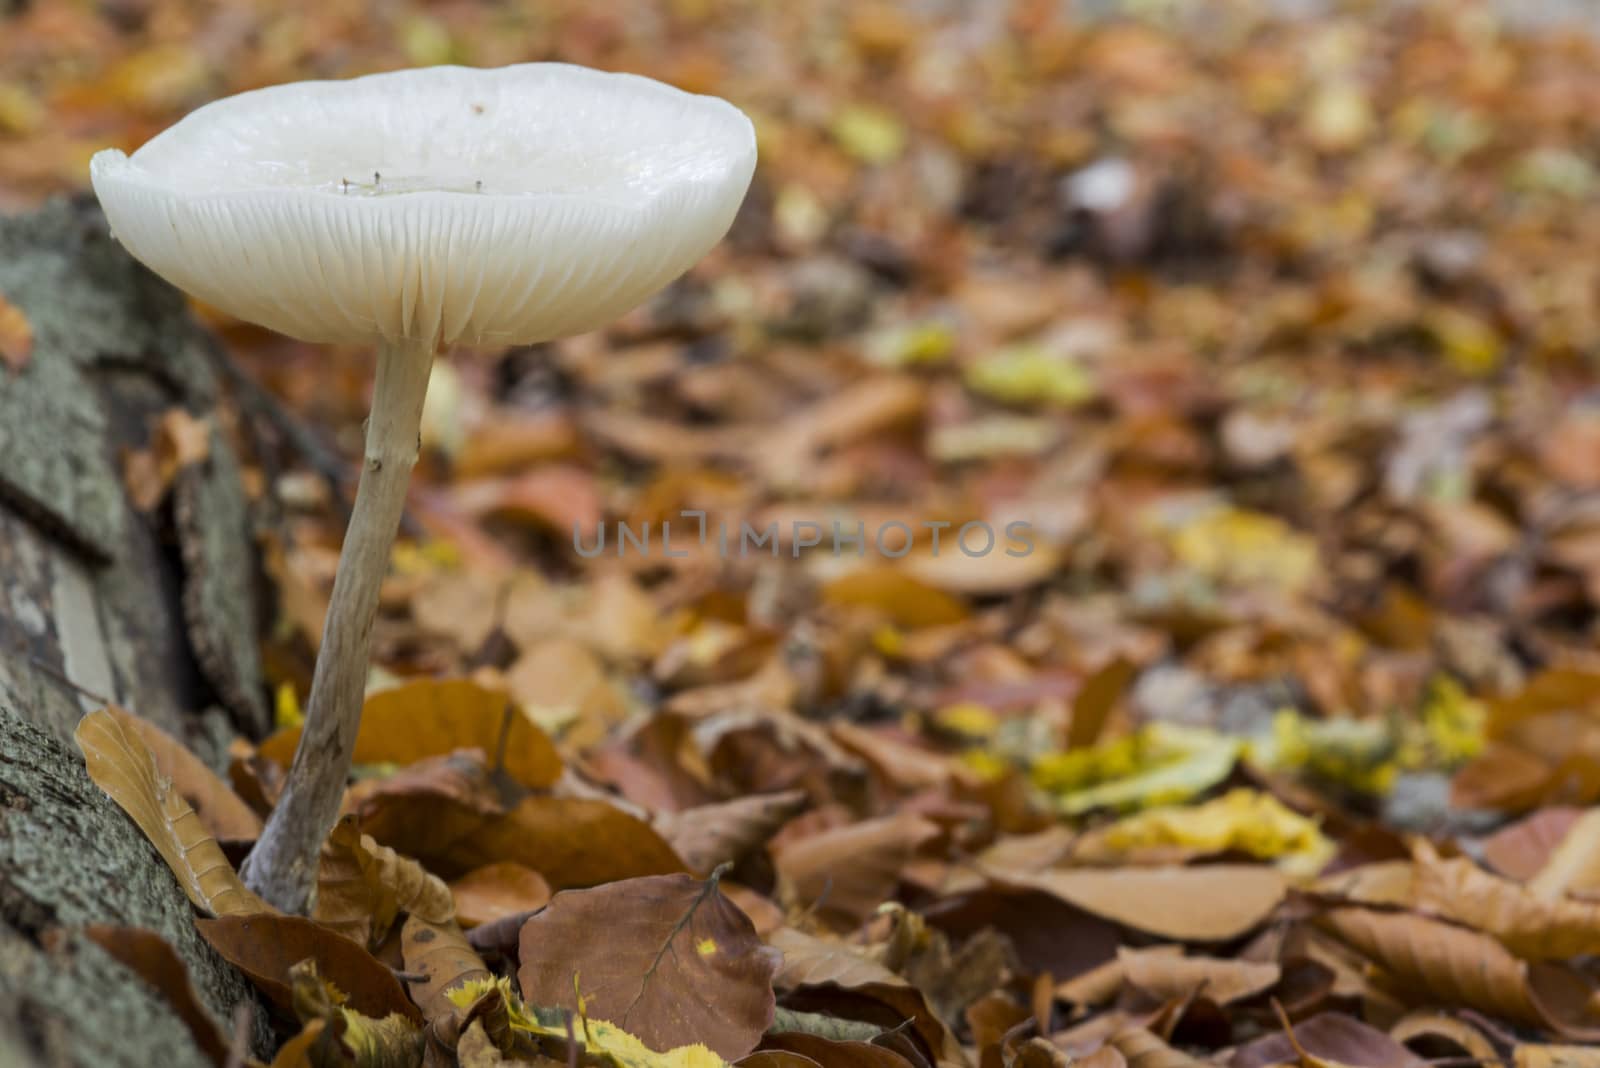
x=100, y=602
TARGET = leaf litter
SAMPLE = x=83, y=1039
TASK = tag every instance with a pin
x=1281, y=745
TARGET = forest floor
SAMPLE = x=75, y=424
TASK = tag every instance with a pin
x=1139, y=599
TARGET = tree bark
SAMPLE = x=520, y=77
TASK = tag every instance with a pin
x=99, y=602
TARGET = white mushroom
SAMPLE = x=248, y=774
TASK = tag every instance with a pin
x=419, y=209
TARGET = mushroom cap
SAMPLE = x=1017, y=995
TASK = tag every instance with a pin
x=450, y=204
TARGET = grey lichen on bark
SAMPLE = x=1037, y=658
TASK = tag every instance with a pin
x=70, y=857
x=84, y=572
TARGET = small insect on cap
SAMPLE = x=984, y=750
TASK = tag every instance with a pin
x=503, y=206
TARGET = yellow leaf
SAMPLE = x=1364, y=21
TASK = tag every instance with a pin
x=868, y=133
x=1160, y=764
x=286, y=710
x=1031, y=374
x=603, y=1040
x=1471, y=345
x=1232, y=546
x=1339, y=117
x=911, y=344
x=120, y=763
x=1242, y=820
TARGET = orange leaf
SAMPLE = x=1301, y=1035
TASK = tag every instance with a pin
x=503, y=888
x=16, y=337
x=435, y=717
x=223, y=812
x=121, y=764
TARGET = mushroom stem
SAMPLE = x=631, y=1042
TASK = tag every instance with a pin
x=282, y=868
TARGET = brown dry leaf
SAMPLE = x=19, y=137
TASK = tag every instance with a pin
x=431, y=717
x=266, y=947
x=775, y=1058
x=1141, y=1049
x=1528, y=1055
x=1446, y=964
x=511, y=442
x=1574, y=865
x=1436, y=1027
x=829, y=1052
x=16, y=337
x=152, y=958
x=865, y=407
x=852, y=870
x=679, y=964
x=809, y=960
x=1530, y=927
x=560, y=683
x=1092, y=705
x=902, y=599
x=899, y=1010
x=223, y=812
x=1327, y=1040
x=362, y=886
x=1523, y=849
x=439, y=952
x=493, y=891
x=572, y=842
x=727, y=832
x=121, y=764
x=1006, y=567
x=1211, y=903
x=1166, y=976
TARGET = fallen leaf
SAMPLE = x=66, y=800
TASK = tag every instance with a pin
x=350, y=1037
x=1242, y=820
x=221, y=810
x=901, y=598
x=726, y=832
x=809, y=960
x=440, y=954
x=121, y=764
x=1210, y=903
x=1574, y=864
x=1441, y=963
x=16, y=337
x=1529, y=926
x=680, y=963
x=901, y=1012
x=362, y=886
x=1167, y=976
x=598, y=1041
x=436, y=717
x=267, y=947
x=572, y=842
x=1160, y=764
x=1523, y=849
x=1327, y=1040
x=1433, y=1028
x=496, y=890
x=152, y=958
x=852, y=870
x=832, y=1053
